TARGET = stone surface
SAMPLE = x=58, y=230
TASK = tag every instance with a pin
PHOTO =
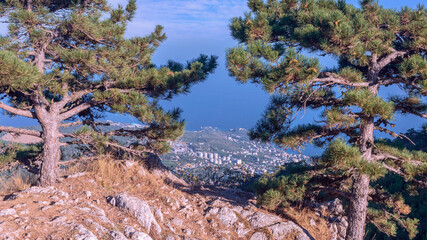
x=83, y=233
x=140, y=236
x=227, y=217
x=337, y=222
x=260, y=220
x=117, y=236
x=45, y=190
x=7, y=212
x=281, y=230
x=177, y=222
x=139, y=209
x=259, y=236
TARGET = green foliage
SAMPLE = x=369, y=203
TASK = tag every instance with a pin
x=73, y=57
x=339, y=153
x=403, y=215
x=375, y=48
x=11, y=152
x=272, y=199
x=288, y=186
x=8, y=153
x=371, y=105
x=234, y=177
x=336, y=117
x=342, y=156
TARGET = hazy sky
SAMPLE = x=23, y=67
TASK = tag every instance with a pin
x=195, y=27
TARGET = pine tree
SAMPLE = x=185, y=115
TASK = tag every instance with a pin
x=376, y=48
x=68, y=62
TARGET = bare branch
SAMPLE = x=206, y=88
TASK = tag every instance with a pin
x=332, y=78
x=20, y=131
x=334, y=191
x=390, y=58
x=71, y=124
x=398, y=172
x=75, y=111
x=130, y=150
x=73, y=97
x=16, y=111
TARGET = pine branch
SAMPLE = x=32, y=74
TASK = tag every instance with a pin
x=332, y=78
x=75, y=110
x=333, y=191
x=20, y=131
x=65, y=125
x=72, y=97
x=16, y=111
x=407, y=110
x=400, y=173
x=389, y=58
x=130, y=150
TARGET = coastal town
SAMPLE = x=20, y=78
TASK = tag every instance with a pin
x=231, y=148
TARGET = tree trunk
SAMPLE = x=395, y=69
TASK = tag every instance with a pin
x=358, y=207
x=51, y=152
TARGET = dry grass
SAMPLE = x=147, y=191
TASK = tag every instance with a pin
x=18, y=182
x=115, y=176
x=109, y=170
x=303, y=216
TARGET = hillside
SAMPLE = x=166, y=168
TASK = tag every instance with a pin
x=113, y=200
x=228, y=148
x=195, y=150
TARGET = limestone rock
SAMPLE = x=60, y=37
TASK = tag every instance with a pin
x=141, y=236
x=227, y=217
x=177, y=222
x=83, y=233
x=260, y=220
x=117, y=236
x=241, y=230
x=100, y=230
x=6, y=212
x=139, y=209
x=281, y=230
x=157, y=212
x=45, y=190
x=88, y=194
x=259, y=236
x=76, y=175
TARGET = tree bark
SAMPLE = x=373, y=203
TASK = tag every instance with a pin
x=358, y=206
x=51, y=152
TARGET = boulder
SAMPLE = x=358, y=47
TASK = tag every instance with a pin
x=6, y=212
x=260, y=220
x=259, y=236
x=141, y=236
x=117, y=236
x=177, y=222
x=281, y=230
x=139, y=209
x=83, y=233
x=227, y=217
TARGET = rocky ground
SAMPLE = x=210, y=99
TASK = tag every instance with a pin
x=135, y=204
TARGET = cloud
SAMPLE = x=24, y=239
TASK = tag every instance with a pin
x=185, y=18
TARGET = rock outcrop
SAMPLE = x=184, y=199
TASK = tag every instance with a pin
x=85, y=207
x=138, y=208
x=333, y=212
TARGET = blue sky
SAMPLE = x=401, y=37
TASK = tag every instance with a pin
x=195, y=27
